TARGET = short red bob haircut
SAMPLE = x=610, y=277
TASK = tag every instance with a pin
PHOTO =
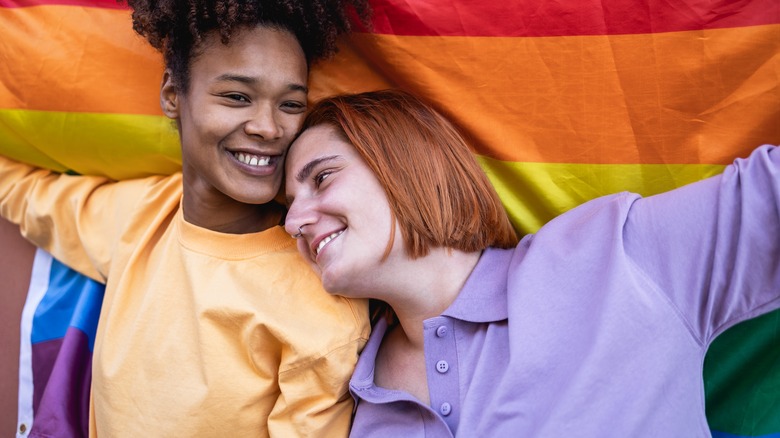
x=438, y=193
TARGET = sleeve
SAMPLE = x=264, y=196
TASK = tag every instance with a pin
x=78, y=219
x=713, y=247
x=314, y=399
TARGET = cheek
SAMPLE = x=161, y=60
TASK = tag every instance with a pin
x=201, y=129
x=291, y=123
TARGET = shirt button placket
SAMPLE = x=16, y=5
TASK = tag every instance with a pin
x=441, y=362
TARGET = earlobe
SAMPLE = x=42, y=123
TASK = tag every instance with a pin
x=169, y=98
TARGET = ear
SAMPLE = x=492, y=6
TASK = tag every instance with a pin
x=169, y=97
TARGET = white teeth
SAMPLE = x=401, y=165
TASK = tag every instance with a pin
x=326, y=240
x=252, y=160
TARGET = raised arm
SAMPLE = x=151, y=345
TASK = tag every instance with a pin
x=714, y=246
x=78, y=219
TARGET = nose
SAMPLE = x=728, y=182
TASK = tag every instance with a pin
x=264, y=123
x=299, y=215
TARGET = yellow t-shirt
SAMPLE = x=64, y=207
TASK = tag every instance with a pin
x=200, y=333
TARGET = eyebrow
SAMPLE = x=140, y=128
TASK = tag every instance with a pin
x=309, y=167
x=250, y=80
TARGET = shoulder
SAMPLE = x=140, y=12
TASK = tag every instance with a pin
x=313, y=322
x=588, y=222
x=149, y=197
x=573, y=245
x=155, y=186
x=326, y=333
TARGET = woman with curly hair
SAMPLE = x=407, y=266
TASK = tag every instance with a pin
x=211, y=324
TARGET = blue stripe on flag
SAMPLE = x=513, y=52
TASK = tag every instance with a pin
x=717, y=434
x=72, y=300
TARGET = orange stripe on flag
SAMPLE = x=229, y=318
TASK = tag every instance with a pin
x=679, y=97
x=61, y=58
x=110, y=4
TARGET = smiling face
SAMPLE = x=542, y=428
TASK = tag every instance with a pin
x=245, y=103
x=343, y=211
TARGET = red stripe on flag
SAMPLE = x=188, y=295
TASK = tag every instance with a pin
x=512, y=18
x=536, y=17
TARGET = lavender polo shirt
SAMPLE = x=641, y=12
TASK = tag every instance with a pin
x=598, y=324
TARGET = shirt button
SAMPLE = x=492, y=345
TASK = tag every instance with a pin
x=441, y=331
x=442, y=366
x=445, y=409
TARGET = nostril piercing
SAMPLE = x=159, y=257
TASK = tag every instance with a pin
x=299, y=233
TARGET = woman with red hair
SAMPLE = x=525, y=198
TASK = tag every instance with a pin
x=597, y=325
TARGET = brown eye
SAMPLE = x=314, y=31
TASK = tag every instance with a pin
x=320, y=177
x=236, y=97
x=294, y=107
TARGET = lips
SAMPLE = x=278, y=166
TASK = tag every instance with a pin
x=325, y=241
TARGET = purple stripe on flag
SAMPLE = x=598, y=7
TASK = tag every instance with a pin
x=62, y=370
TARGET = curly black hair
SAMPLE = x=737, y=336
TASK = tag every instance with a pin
x=177, y=27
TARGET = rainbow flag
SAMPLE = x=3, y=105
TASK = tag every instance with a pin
x=562, y=102
x=58, y=328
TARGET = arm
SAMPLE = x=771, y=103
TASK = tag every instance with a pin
x=78, y=219
x=314, y=399
x=714, y=246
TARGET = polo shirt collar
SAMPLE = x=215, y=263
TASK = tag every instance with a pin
x=483, y=298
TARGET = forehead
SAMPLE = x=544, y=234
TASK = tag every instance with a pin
x=313, y=144
x=258, y=51
x=315, y=140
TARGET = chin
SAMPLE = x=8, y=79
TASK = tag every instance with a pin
x=329, y=286
x=332, y=285
x=255, y=198
x=255, y=194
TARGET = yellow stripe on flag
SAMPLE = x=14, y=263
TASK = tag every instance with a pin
x=119, y=146
x=534, y=193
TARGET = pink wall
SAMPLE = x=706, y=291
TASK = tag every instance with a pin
x=16, y=257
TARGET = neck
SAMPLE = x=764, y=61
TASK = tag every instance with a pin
x=428, y=287
x=232, y=217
